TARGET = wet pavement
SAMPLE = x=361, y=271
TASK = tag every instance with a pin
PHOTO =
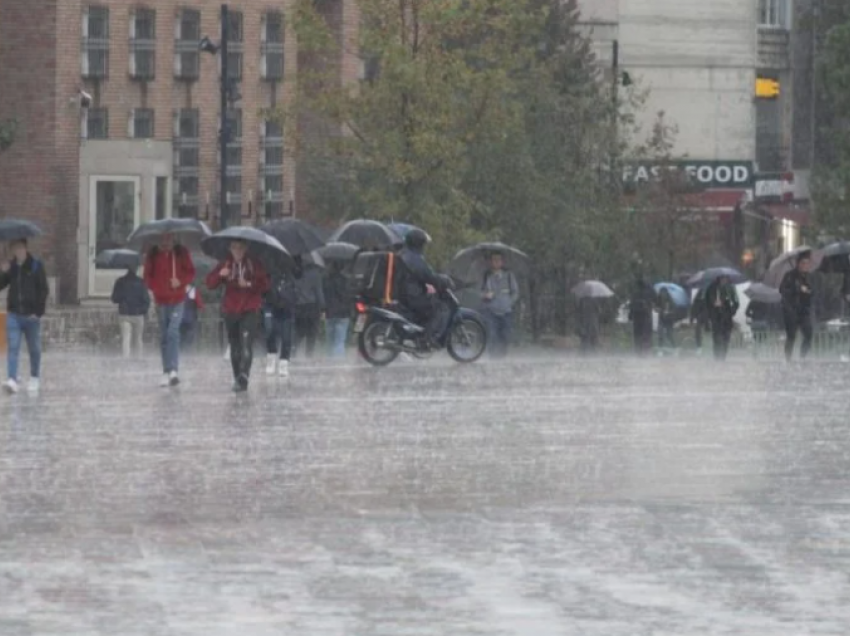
x=542, y=497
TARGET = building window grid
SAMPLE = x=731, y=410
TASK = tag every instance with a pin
x=773, y=13
x=271, y=170
x=272, y=47
x=143, y=44
x=235, y=45
x=142, y=123
x=187, y=58
x=187, y=162
x=97, y=123
x=95, y=42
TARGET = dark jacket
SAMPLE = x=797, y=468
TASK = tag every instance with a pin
x=308, y=288
x=796, y=290
x=721, y=302
x=642, y=301
x=28, y=288
x=415, y=277
x=338, y=300
x=131, y=295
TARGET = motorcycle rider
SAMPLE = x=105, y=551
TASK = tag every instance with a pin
x=416, y=278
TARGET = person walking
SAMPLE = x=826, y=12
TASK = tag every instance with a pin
x=245, y=282
x=721, y=300
x=500, y=292
x=279, y=314
x=134, y=302
x=588, y=324
x=640, y=313
x=192, y=306
x=338, y=303
x=796, y=290
x=26, y=303
x=310, y=305
x=699, y=318
x=168, y=271
x=666, y=322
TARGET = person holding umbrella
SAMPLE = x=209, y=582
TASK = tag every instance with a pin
x=796, y=290
x=245, y=282
x=26, y=303
x=500, y=292
x=134, y=302
x=721, y=304
x=168, y=271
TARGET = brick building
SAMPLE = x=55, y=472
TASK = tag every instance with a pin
x=146, y=145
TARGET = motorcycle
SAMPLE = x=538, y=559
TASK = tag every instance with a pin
x=383, y=333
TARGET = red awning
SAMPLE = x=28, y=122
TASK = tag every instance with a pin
x=716, y=200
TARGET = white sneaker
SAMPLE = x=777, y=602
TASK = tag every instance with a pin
x=10, y=386
x=164, y=380
x=173, y=380
x=34, y=385
x=271, y=364
x=283, y=369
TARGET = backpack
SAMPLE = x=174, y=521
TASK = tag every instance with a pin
x=283, y=294
x=375, y=275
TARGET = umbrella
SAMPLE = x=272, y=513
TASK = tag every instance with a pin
x=365, y=233
x=185, y=230
x=592, y=289
x=781, y=265
x=338, y=251
x=314, y=258
x=708, y=276
x=471, y=263
x=118, y=259
x=403, y=229
x=295, y=235
x=678, y=294
x=263, y=246
x=834, y=258
x=761, y=293
x=17, y=229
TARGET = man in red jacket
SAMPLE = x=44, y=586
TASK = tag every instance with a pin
x=245, y=282
x=168, y=270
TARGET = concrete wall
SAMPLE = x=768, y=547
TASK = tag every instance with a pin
x=697, y=59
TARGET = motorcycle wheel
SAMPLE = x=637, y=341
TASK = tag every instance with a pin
x=467, y=340
x=373, y=343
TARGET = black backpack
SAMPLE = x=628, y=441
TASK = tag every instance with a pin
x=283, y=294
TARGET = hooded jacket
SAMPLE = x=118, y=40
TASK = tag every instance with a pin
x=28, y=289
x=161, y=266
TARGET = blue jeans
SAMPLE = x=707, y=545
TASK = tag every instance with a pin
x=337, y=334
x=500, y=328
x=170, y=317
x=278, y=326
x=19, y=328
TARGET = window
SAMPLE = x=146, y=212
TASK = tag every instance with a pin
x=370, y=67
x=141, y=125
x=773, y=13
x=161, y=194
x=97, y=124
x=95, y=54
x=271, y=169
x=143, y=44
x=234, y=46
x=271, y=62
x=187, y=133
x=187, y=34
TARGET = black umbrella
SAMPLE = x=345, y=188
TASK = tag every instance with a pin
x=470, y=264
x=295, y=235
x=187, y=232
x=263, y=246
x=835, y=258
x=338, y=251
x=17, y=229
x=708, y=276
x=118, y=259
x=365, y=233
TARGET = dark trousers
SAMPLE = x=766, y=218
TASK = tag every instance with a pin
x=721, y=333
x=642, y=325
x=188, y=331
x=793, y=324
x=500, y=328
x=278, y=326
x=241, y=331
x=666, y=333
x=307, y=319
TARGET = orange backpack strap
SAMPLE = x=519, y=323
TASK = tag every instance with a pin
x=388, y=287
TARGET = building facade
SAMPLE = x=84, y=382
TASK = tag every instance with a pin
x=119, y=111
x=731, y=76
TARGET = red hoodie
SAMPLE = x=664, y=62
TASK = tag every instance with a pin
x=161, y=266
x=241, y=300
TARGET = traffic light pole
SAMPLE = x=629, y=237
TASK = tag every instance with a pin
x=224, y=126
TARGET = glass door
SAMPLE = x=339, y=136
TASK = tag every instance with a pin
x=113, y=215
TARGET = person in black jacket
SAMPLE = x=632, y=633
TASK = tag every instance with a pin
x=417, y=277
x=338, y=305
x=133, y=300
x=26, y=303
x=721, y=303
x=640, y=313
x=796, y=290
